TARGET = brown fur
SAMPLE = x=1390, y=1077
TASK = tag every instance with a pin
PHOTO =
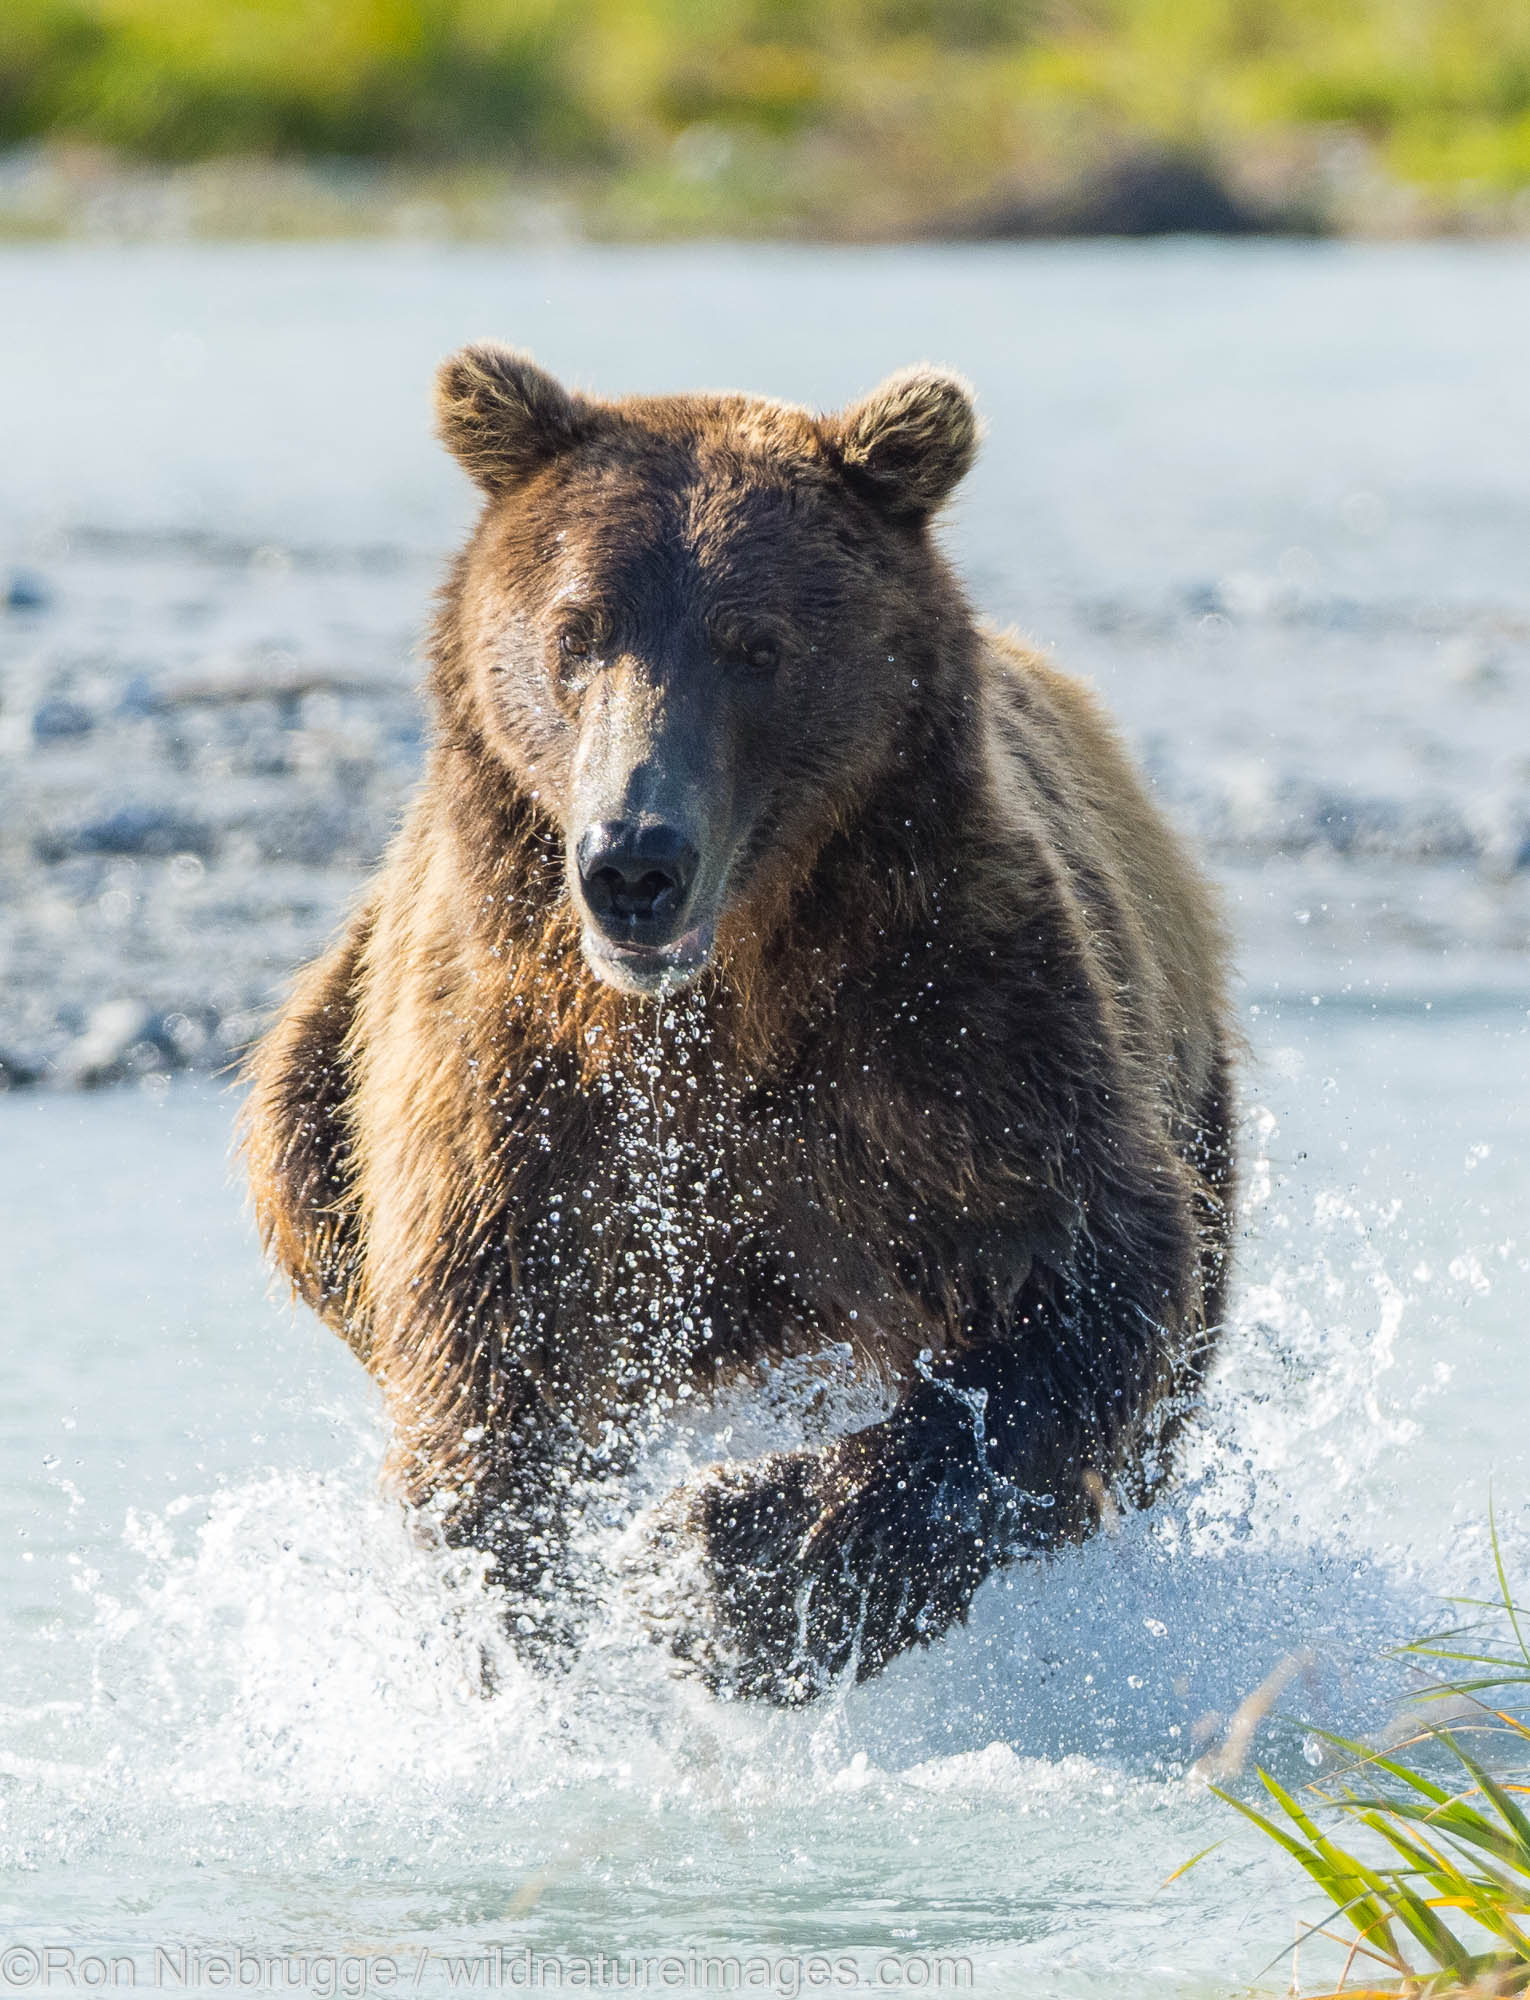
x=955, y=1086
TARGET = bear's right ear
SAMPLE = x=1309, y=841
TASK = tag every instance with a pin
x=909, y=442
x=502, y=417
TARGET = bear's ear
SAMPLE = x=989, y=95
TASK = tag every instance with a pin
x=910, y=441
x=502, y=417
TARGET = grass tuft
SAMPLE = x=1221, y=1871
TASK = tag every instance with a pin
x=1436, y=1902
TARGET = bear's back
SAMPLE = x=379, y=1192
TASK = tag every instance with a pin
x=1057, y=759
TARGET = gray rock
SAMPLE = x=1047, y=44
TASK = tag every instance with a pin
x=144, y=830
x=26, y=592
x=140, y=697
x=59, y=719
x=17, y=1071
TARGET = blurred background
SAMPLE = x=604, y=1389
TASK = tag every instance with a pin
x=826, y=119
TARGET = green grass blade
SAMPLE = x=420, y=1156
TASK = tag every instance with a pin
x=1425, y=1922
x=1420, y=1916
x=1456, y=1818
x=1507, y=1595
x=1185, y=1866
x=1376, y=1760
x=1334, y=1883
x=1493, y=1791
x=1352, y=1882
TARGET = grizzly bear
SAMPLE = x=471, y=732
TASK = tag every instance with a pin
x=774, y=958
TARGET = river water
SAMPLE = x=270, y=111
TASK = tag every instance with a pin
x=1276, y=500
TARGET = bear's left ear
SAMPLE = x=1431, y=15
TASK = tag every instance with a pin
x=910, y=441
x=502, y=417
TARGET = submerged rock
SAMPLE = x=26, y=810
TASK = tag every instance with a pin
x=26, y=592
x=18, y=1071
x=61, y=720
x=139, y=830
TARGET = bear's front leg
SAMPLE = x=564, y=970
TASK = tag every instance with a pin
x=515, y=1486
x=812, y=1564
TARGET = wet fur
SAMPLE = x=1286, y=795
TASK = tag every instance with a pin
x=956, y=1090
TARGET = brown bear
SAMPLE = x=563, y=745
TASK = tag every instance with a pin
x=773, y=957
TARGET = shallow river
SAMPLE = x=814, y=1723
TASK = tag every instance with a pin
x=241, y=1707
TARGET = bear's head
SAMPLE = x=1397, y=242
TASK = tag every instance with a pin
x=695, y=629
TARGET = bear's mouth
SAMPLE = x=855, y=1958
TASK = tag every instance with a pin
x=650, y=969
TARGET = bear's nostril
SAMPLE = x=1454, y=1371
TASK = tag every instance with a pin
x=630, y=898
x=635, y=877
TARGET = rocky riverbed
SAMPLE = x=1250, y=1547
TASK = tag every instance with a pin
x=204, y=747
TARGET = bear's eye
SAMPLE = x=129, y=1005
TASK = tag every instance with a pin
x=751, y=646
x=581, y=636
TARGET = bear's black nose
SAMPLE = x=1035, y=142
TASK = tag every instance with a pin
x=636, y=878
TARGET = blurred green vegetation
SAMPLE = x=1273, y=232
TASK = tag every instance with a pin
x=807, y=108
